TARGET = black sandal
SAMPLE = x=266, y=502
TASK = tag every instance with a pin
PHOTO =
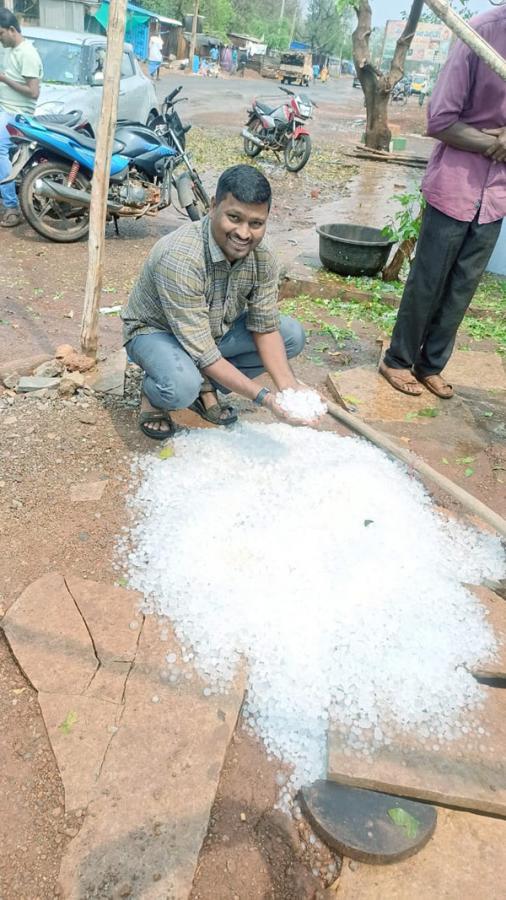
x=146, y=417
x=215, y=413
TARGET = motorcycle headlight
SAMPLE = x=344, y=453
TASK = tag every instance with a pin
x=305, y=110
x=51, y=107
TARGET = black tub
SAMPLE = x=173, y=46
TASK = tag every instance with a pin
x=353, y=249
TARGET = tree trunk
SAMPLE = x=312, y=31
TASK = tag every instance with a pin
x=376, y=85
x=378, y=134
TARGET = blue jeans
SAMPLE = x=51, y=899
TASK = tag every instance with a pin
x=173, y=381
x=7, y=191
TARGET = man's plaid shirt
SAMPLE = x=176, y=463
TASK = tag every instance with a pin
x=188, y=288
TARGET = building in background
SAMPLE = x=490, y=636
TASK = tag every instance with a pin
x=429, y=48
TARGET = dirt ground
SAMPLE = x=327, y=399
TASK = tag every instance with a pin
x=48, y=445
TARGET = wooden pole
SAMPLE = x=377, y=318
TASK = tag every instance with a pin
x=193, y=39
x=470, y=503
x=100, y=181
x=467, y=34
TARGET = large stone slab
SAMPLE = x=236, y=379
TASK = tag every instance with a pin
x=364, y=388
x=495, y=608
x=466, y=858
x=144, y=831
x=80, y=729
x=49, y=638
x=478, y=369
x=469, y=773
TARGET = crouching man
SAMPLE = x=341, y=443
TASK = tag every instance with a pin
x=203, y=313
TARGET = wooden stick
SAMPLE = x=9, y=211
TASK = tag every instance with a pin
x=470, y=503
x=100, y=181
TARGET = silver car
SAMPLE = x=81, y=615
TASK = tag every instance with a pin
x=73, y=76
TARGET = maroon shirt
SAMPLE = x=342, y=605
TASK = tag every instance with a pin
x=459, y=183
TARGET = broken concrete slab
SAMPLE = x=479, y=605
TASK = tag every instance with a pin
x=109, y=375
x=28, y=383
x=466, y=857
x=157, y=785
x=87, y=491
x=49, y=638
x=80, y=728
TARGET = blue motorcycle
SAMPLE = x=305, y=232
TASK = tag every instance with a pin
x=54, y=164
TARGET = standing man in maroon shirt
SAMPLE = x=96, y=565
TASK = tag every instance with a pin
x=465, y=190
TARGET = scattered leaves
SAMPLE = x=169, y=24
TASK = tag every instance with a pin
x=68, y=723
x=464, y=460
x=404, y=820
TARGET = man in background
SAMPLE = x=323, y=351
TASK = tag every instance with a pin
x=465, y=190
x=155, y=57
x=19, y=91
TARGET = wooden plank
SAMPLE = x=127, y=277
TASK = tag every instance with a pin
x=468, y=774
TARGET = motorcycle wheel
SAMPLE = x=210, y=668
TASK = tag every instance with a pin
x=59, y=222
x=297, y=153
x=200, y=206
x=250, y=148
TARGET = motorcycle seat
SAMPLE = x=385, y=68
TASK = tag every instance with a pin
x=82, y=139
x=69, y=119
x=264, y=107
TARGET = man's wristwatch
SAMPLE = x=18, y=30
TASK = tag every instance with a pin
x=260, y=397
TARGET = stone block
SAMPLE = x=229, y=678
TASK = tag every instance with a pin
x=28, y=383
x=109, y=375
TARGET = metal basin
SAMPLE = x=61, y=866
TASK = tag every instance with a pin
x=353, y=249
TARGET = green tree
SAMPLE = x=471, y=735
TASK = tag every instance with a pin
x=327, y=27
x=218, y=16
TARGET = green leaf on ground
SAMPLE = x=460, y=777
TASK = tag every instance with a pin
x=464, y=460
x=445, y=461
x=468, y=472
x=429, y=412
x=404, y=820
x=166, y=453
x=122, y=581
x=410, y=416
x=487, y=415
x=68, y=723
x=352, y=400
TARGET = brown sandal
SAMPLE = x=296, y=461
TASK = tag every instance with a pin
x=401, y=382
x=437, y=386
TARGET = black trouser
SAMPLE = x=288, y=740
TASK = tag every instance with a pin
x=450, y=259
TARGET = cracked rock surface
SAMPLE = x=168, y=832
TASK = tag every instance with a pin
x=142, y=756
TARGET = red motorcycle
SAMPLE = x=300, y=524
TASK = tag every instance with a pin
x=280, y=128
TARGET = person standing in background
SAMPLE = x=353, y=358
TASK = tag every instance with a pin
x=465, y=190
x=19, y=92
x=155, y=57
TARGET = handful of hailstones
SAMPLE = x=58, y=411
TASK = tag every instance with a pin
x=305, y=405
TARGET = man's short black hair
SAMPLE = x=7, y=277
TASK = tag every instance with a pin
x=245, y=183
x=8, y=20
